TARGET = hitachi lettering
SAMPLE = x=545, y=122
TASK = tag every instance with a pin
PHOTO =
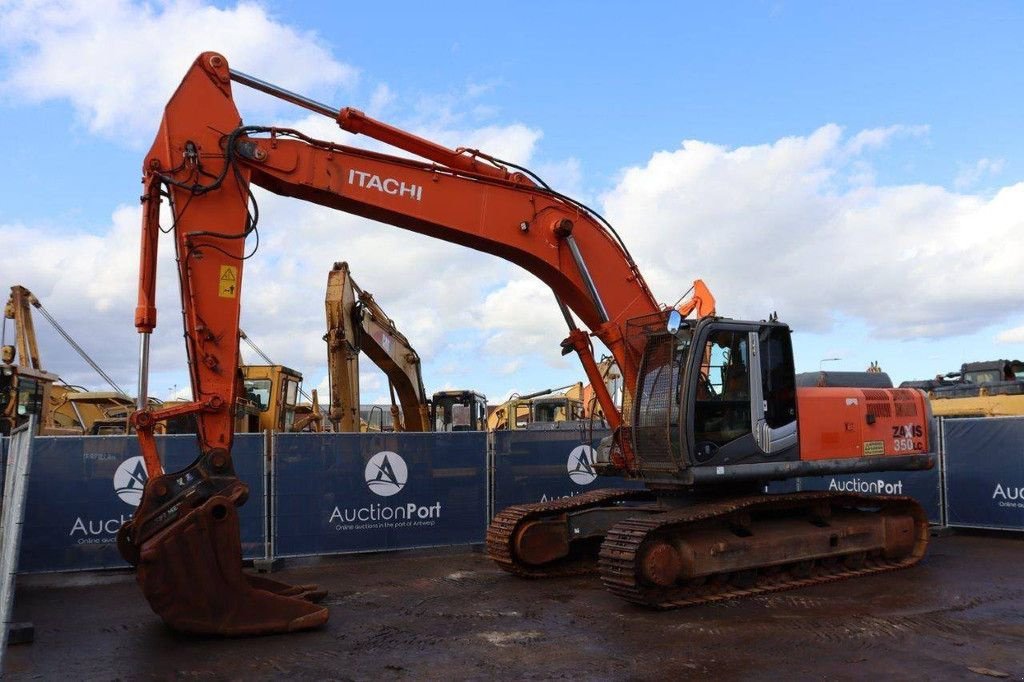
x=387, y=185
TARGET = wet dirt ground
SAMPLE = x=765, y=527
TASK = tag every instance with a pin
x=454, y=615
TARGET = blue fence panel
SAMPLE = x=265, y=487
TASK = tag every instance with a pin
x=984, y=461
x=536, y=466
x=352, y=492
x=248, y=457
x=923, y=486
x=790, y=485
x=82, y=488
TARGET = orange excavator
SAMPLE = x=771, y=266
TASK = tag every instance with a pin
x=711, y=409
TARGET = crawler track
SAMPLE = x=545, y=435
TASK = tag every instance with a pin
x=501, y=531
x=621, y=552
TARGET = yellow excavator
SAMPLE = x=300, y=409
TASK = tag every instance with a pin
x=356, y=323
x=537, y=409
x=545, y=409
x=269, y=401
x=64, y=410
x=27, y=389
x=271, y=395
x=992, y=388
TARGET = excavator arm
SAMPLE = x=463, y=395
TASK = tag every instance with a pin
x=391, y=351
x=342, y=350
x=356, y=322
x=205, y=160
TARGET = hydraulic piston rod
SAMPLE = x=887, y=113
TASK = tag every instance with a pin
x=141, y=401
x=281, y=93
x=585, y=274
x=358, y=123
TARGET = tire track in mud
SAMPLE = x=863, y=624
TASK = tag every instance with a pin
x=798, y=618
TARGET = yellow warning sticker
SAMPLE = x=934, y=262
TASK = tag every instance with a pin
x=874, y=447
x=228, y=281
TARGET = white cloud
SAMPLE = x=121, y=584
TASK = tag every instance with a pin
x=1014, y=335
x=380, y=100
x=770, y=227
x=117, y=61
x=88, y=282
x=565, y=177
x=969, y=176
x=522, y=320
x=874, y=138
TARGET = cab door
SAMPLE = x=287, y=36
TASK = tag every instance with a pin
x=735, y=379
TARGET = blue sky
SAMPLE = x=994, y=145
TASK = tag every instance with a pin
x=857, y=167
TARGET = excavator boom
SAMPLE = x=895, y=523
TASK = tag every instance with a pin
x=356, y=322
x=342, y=339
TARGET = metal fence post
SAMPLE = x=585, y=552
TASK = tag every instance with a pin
x=490, y=464
x=941, y=463
x=269, y=561
x=19, y=464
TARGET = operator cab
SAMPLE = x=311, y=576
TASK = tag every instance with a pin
x=458, y=411
x=714, y=392
x=557, y=408
x=24, y=392
x=274, y=392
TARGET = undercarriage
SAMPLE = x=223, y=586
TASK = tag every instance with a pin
x=667, y=551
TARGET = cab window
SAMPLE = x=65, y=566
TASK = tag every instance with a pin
x=258, y=391
x=291, y=393
x=722, y=407
x=549, y=412
x=461, y=414
x=30, y=397
x=778, y=380
x=522, y=415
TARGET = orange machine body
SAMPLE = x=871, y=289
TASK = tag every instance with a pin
x=841, y=423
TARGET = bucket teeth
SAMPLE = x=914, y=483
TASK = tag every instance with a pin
x=191, y=573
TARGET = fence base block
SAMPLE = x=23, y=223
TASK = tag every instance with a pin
x=21, y=633
x=267, y=565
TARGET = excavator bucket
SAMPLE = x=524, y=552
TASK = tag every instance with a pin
x=191, y=568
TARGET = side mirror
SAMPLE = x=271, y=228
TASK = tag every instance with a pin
x=675, y=322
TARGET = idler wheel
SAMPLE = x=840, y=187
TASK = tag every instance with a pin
x=542, y=541
x=660, y=564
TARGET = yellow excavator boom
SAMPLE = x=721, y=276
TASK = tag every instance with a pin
x=356, y=323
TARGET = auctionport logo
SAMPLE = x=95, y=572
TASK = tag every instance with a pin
x=581, y=465
x=386, y=473
x=1009, y=496
x=130, y=479
x=859, y=485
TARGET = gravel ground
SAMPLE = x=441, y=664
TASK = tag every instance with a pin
x=454, y=615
